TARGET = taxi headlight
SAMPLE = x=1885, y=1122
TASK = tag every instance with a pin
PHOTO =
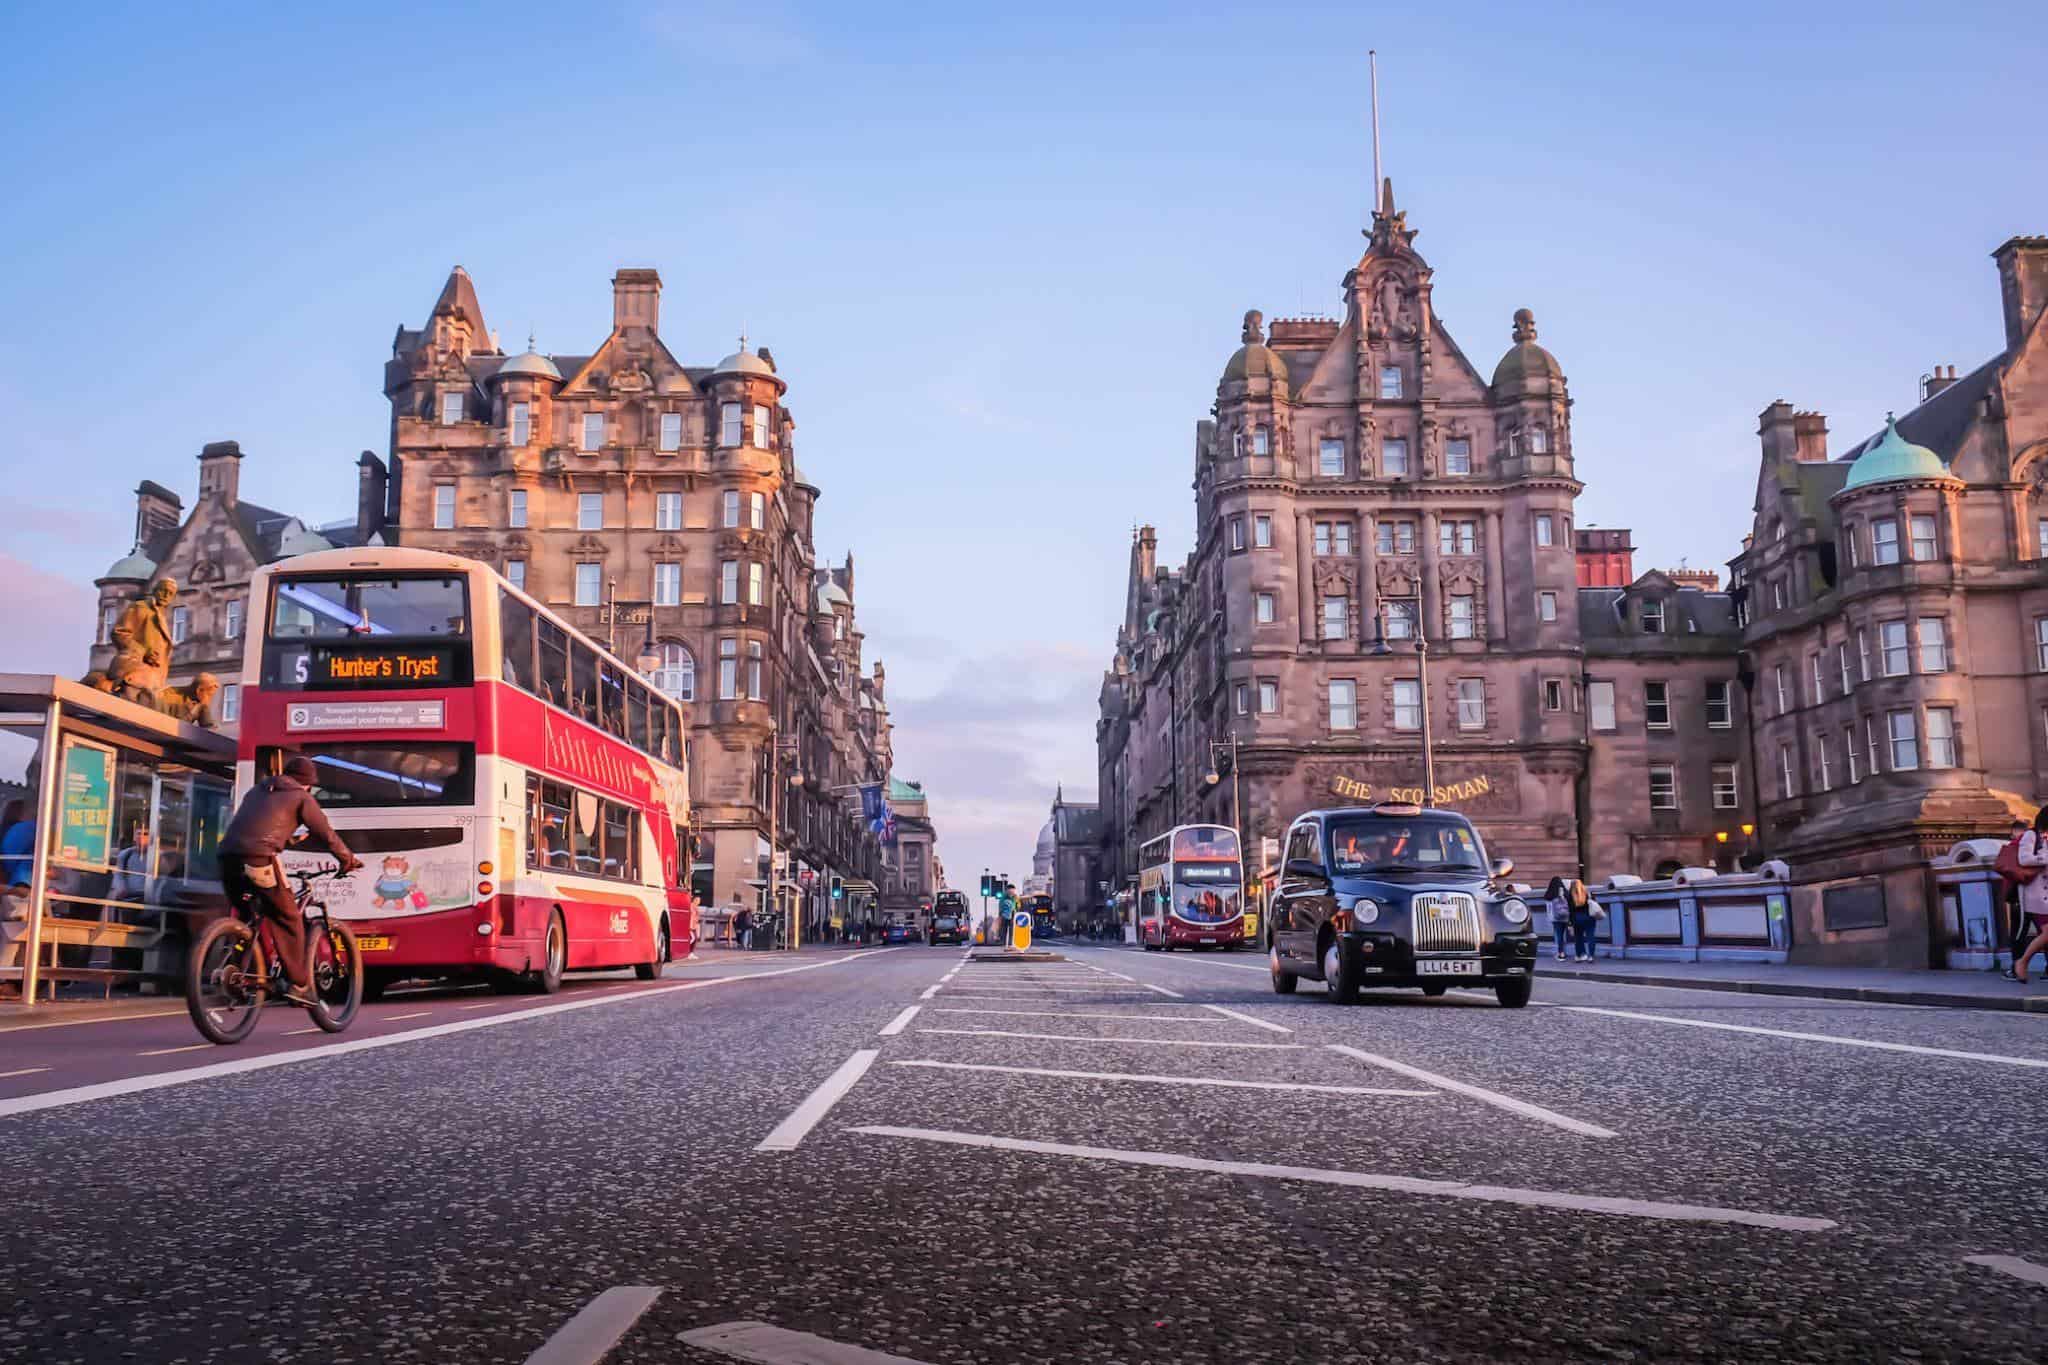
x=1516, y=910
x=1364, y=910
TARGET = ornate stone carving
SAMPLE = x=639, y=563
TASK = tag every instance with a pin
x=142, y=645
x=590, y=547
x=1332, y=576
x=1460, y=573
x=192, y=703
x=1395, y=577
x=1254, y=333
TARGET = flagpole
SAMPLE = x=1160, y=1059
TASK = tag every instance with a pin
x=1372, y=58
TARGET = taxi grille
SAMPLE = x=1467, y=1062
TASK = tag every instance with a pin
x=1446, y=922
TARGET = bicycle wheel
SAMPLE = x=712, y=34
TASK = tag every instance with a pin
x=224, y=981
x=337, y=973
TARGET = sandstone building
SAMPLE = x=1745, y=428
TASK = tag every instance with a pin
x=1872, y=687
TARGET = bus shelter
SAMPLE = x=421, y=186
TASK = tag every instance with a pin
x=127, y=806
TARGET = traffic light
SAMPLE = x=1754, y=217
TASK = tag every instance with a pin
x=838, y=888
x=988, y=886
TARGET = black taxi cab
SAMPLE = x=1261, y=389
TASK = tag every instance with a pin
x=1397, y=895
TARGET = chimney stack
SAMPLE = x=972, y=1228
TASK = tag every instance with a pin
x=1774, y=427
x=1809, y=437
x=2023, y=285
x=1935, y=382
x=157, y=508
x=1148, y=553
x=220, y=473
x=636, y=300
x=373, y=482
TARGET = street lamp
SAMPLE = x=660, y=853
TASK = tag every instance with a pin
x=1380, y=650
x=1213, y=777
x=777, y=747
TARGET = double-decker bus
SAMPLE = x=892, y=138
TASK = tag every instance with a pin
x=518, y=796
x=1190, y=889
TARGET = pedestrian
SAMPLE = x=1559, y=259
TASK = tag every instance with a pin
x=1560, y=912
x=17, y=843
x=131, y=868
x=1584, y=910
x=743, y=927
x=2033, y=856
x=2016, y=928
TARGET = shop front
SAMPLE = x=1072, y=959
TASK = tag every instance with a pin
x=126, y=807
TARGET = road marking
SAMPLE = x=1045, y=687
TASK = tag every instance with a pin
x=83, y=1094
x=1216, y=1081
x=1993, y=1057
x=1083, y=1038
x=766, y=1345
x=790, y=1131
x=1086, y=1014
x=896, y=1025
x=98, y=1019
x=1162, y=990
x=2013, y=1266
x=1367, y=1180
x=589, y=1336
x=167, y=1051
x=1247, y=1019
x=25, y=1071
x=481, y=1005
x=394, y=1018
x=299, y=1032
x=931, y=990
x=1480, y=1093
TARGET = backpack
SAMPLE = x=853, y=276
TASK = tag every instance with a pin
x=2008, y=864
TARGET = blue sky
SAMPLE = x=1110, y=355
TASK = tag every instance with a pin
x=1001, y=258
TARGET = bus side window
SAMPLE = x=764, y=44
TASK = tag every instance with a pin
x=683, y=858
x=554, y=662
x=618, y=840
x=587, y=835
x=515, y=641
x=636, y=714
x=582, y=681
x=611, y=699
x=554, y=820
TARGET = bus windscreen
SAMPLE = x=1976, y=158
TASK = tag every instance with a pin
x=354, y=775
x=352, y=608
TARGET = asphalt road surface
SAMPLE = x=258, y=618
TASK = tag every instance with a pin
x=1124, y=1157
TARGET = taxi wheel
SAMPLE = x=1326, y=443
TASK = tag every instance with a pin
x=1284, y=981
x=1514, y=994
x=1340, y=974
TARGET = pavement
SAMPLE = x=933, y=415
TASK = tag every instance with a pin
x=1969, y=990
x=1123, y=1157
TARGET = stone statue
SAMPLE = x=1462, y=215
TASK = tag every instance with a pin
x=1254, y=333
x=192, y=703
x=1525, y=326
x=142, y=645
x=98, y=681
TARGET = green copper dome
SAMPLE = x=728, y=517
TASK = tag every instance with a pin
x=1894, y=457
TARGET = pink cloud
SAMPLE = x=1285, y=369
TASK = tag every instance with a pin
x=49, y=620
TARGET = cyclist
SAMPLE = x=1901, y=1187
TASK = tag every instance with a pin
x=269, y=817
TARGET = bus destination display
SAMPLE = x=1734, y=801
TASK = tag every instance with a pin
x=318, y=666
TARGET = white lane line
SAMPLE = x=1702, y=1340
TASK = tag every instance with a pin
x=300, y=1032
x=1367, y=1180
x=1083, y=1038
x=101, y=1019
x=481, y=1005
x=1162, y=990
x=167, y=1051
x=791, y=1131
x=1088, y=1014
x=896, y=1025
x=1480, y=1093
x=54, y=1099
x=1247, y=1019
x=25, y=1071
x=1215, y=1081
x=767, y=1345
x=2012, y=1265
x=589, y=1336
x=394, y=1018
x=1993, y=1057
x=931, y=990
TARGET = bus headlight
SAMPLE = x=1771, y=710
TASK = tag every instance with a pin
x=1516, y=910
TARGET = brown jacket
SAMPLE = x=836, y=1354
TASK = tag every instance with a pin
x=270, y=814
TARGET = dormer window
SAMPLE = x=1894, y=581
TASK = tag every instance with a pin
x=1262, y=441
x=671, y=431
x=593, y=431
x=1539, y=441
x=1653, y=618
x=1390, y=381
x=451, y=409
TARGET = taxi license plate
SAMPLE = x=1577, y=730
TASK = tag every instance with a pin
x=373, y=944
x=1463, y=968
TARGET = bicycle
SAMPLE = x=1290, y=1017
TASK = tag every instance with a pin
x=235, y=964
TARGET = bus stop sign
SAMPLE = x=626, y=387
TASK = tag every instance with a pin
x=1020, y=929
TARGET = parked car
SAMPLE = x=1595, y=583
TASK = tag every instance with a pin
x=1396, y=895
x=896, y=931
x=946, y=927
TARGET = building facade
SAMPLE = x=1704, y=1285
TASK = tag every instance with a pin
x=1872, y=686
x=659, y=507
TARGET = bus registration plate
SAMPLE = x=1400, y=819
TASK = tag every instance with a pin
x=1465, y=967
x=373, y=944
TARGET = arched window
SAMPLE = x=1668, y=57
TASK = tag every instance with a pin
x=677, y=673
x=1666, y=870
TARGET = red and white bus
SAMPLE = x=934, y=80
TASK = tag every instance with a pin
x=518, y=796
x=1190, y=889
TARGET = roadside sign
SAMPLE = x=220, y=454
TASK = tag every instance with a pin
x=1020, y=930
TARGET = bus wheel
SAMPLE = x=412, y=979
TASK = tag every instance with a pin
x=374, y=986
x=554, y=958
x=648, y=971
